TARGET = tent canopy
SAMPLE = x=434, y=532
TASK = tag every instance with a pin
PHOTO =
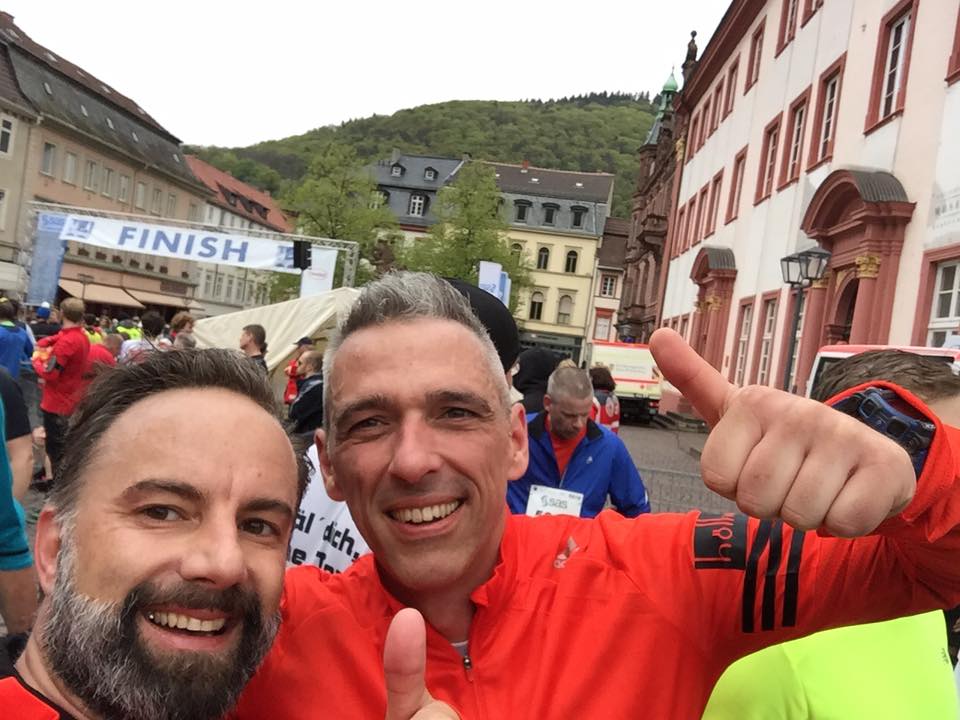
x=285, y=323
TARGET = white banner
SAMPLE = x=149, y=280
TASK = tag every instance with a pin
x=182, y=242
x=319, y=277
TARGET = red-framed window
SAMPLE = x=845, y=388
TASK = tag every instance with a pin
x=714, y=207
x=827, y=113
x=953, y=67
x=732, y=74
x=768, y=159
x=707, y=121
x=794, y=134
x=766, y=323
x=680, y=233
x=692, y=137
x=756, y=57
x=788, y=23
x=736, y=185
x=891, y=68
x=701, y=214
x=809, y=8
x=717, y=107
x=741, y=342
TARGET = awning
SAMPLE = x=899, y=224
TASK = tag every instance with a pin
x=152, y=298
x=194, y=305
x=105, y=294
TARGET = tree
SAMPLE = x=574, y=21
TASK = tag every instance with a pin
x=469, y=229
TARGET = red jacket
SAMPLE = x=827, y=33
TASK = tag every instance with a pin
x=63, y=381
x=616, y=617
x=17, y=701
x=291, y=391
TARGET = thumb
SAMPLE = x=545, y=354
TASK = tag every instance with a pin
x=404, y=665
x=694, y=377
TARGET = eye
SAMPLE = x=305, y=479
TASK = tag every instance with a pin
x=457, y=413
x=366, y=424
x=162, y=513
x=261, y=528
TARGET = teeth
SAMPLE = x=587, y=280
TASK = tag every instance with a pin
x=185, y=622
x=417, y=516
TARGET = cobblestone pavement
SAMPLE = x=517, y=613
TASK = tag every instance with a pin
x=669, y=463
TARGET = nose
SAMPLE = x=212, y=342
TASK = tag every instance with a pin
x=213, y=554
x=413, y=453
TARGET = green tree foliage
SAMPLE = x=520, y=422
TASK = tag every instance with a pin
x=469, y=229
x=593, y=132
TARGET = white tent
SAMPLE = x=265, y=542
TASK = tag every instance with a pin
x=314, y=317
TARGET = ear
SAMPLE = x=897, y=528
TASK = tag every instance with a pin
x=547, y=402
x=47, y=548
x=519, y=449
x=326, y=467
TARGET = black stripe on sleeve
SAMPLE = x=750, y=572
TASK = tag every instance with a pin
x=792, y=588
x=769, y=607
x=750, y=577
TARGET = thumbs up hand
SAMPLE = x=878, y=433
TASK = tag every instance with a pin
x=783, y=456
x=404, y=668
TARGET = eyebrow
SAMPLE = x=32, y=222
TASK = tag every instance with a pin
x=461, y=397
x=371, y=402
x=192, y=494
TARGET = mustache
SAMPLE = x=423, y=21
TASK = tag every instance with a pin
x=232, y=601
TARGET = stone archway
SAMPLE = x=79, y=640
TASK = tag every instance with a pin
x=860, y=216
x=714, y=271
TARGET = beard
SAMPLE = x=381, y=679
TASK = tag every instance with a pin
x=95, y=648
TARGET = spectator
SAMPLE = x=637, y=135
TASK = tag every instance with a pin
x=18, y=434
x=606, y=406
x=128, y=328
x=253, y=343
x=151, y=340
x=185, y=341
x=103, y=354
x=62, y=373
x=575, y=463
x=15, y=345
x=90, y=327
x=292, y=370
x=182, y=322
x=46, y=323
x=536, y=364
x=306, y=410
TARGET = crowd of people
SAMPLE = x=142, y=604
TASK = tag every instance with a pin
x=433, y=524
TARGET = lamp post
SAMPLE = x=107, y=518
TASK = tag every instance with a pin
x=799, y=270
x=84, y=281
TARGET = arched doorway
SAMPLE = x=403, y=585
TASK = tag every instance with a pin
x=714, y=271
x=842, y=320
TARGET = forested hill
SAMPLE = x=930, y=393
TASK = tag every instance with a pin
x=595, y=132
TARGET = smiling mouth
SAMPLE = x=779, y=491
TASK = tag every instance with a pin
x=178, y=622
x=423, y=515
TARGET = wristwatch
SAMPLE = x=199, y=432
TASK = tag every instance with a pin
x=885, y=412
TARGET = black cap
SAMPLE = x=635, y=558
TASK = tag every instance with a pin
x=496, y=318
x=304, y=341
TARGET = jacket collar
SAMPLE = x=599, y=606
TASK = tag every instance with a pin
x=537, y=427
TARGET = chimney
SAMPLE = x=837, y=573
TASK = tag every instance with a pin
x=525, y=166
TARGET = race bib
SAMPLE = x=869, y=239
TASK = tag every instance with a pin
x=545, y=500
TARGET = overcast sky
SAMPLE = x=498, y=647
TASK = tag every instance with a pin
x=235, y=73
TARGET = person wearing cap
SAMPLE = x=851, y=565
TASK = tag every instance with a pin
x=292, y=370
x=306, y=410
x=45, y=325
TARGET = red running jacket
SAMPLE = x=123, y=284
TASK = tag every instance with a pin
x=616, y=617
x=63, y=381
x=20, y=702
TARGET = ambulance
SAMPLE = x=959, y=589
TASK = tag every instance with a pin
x=635, y=372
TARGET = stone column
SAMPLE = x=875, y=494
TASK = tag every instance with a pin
x=812, y=330
x=868, y=269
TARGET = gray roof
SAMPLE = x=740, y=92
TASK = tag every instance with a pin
x=586, y=187
x=67, y=101
x=878, y=186
x=414, y=167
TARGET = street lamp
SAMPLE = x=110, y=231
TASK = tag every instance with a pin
x=799, y=270
x=84, y=281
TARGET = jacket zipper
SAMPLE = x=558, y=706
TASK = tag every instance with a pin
x=468, y=667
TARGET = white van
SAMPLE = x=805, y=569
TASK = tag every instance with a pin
x=636, y=374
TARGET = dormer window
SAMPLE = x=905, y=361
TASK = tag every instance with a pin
x=521, y=208
x=418, y=205
x=136, y=138
x=430, y=174
x=396, y=171
x=47, y=88
x=550, y=213
x=579, y=213
x=83, y=109
x=110, y=123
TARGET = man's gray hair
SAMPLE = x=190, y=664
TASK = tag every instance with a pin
x=570, y=382
x=399, y=296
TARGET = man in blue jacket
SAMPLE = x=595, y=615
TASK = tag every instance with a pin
x=575, y=463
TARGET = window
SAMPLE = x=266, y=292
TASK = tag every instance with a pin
x=107, y=189
x=110, y=125
x=396, y=171
x=717, y=107
x=714, y=207
x=892, y=64
x=549, y=214
x=49, y=159
x=70, y=168
x=828, y=108
x=136, y=138
x=571, y=264
x=953, y=66
x=692, y=137
x=945, y=313
x=543, y=258
x=83, y=110
x=788, y=24
x=701, y=215
x=579, y=214
x=207, y=284
x=707, y=120
x=796, y=127
x=6, y=135
x=679, y=233
x=536, y=306
x=379, y=199
x=766, y=341
x=218, y=289
x=171, y=205
x=193, y=215
x=123, y=189
x=601, y=328
x=520, y=211
x=743, y=342
x=429, y=174
x=3, y=209
x=90, y=176
x=516, y=249
x=768, y=160
x=140, y=199
x=756, y=55
x=684, y=325
x=802, y=299
x=564, y=310
x=608, y=286
x=229, y=288
x=692, y=220
x=157, y=205
x=809, y=8
x=417, y=205
x=731, y=87
x=736, y=185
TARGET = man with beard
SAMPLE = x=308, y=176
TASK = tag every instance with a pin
x=565, y=617
x=162, y=569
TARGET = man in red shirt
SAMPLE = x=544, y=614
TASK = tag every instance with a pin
x=62, y=374
x=563, y=617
